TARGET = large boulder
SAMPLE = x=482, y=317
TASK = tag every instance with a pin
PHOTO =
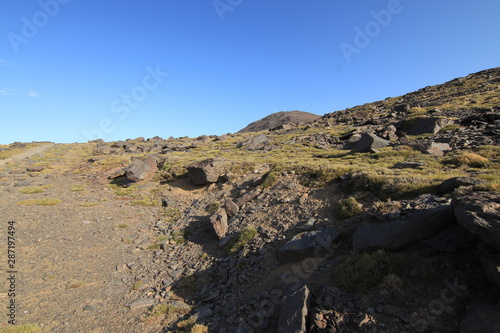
x=142, y=170
x=258, y=142
x=309, y=244
x=426, y=125
x=480, y=214
x=393, y=235
x=449, y=185
x=370, y=143
x=293, y=313
x=206, y=171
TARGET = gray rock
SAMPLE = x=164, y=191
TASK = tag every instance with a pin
x=437, y=148
x=258, y=142
x=409, y=165
x=231, y=207
x=491, y=267
x=481, y=319
x=309, y=244
x=206, y=171
x=480, y=214
x=35, y=169
x=142, y=170
x=370, y=143
x=393, y=235
x=426, y=125
x=219, y=222
x=247, y=197
x=451, y=184
x=402, y=107
x=141, y=303
x=293, y=313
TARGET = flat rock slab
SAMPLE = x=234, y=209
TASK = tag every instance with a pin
x=393, y=235
x=309, y=244
x=480, y=214
x=293, y=313
x=481, y=318
x=141, y=303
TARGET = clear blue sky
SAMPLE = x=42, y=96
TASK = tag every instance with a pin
x=71, y=70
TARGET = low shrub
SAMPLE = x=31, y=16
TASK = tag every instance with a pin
x=347, y=208
x=363, y=271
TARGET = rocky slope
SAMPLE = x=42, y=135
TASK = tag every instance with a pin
x=280, y=120
x=380, y=218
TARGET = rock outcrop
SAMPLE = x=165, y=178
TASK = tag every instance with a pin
x=393, y=235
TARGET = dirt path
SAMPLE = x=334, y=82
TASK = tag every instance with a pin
x=76, y=260
x=27, y=153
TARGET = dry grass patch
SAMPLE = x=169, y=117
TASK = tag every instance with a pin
x=40, y=202
x=24, y=328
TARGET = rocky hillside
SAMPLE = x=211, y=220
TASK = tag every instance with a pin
x=281, y=120
x=380, y=218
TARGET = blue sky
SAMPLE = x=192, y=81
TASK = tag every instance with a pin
x=74, y=70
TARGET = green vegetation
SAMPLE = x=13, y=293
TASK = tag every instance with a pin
x=363, y=271
x=467, y=159
x=171, y=215
x=120, y=226
x=450, y=127
x=24, y=328
x=31, y=190
x=179, y=237
x=88, y=204
x=144, y=201
x=212, y=208
x=40, y=202
x=240, y=240
x=77, y=188
x=270, y=179
x=347, y=208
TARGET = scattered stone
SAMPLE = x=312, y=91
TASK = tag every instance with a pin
x=293, y=313
x=370, y=143
x=309, y=244
x=481, y=318
x=393, y=235
x=207, y=171
x=480, y=214
x=219, y=222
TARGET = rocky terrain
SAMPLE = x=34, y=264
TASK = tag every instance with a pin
x=380, y=218
x=281, y=120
